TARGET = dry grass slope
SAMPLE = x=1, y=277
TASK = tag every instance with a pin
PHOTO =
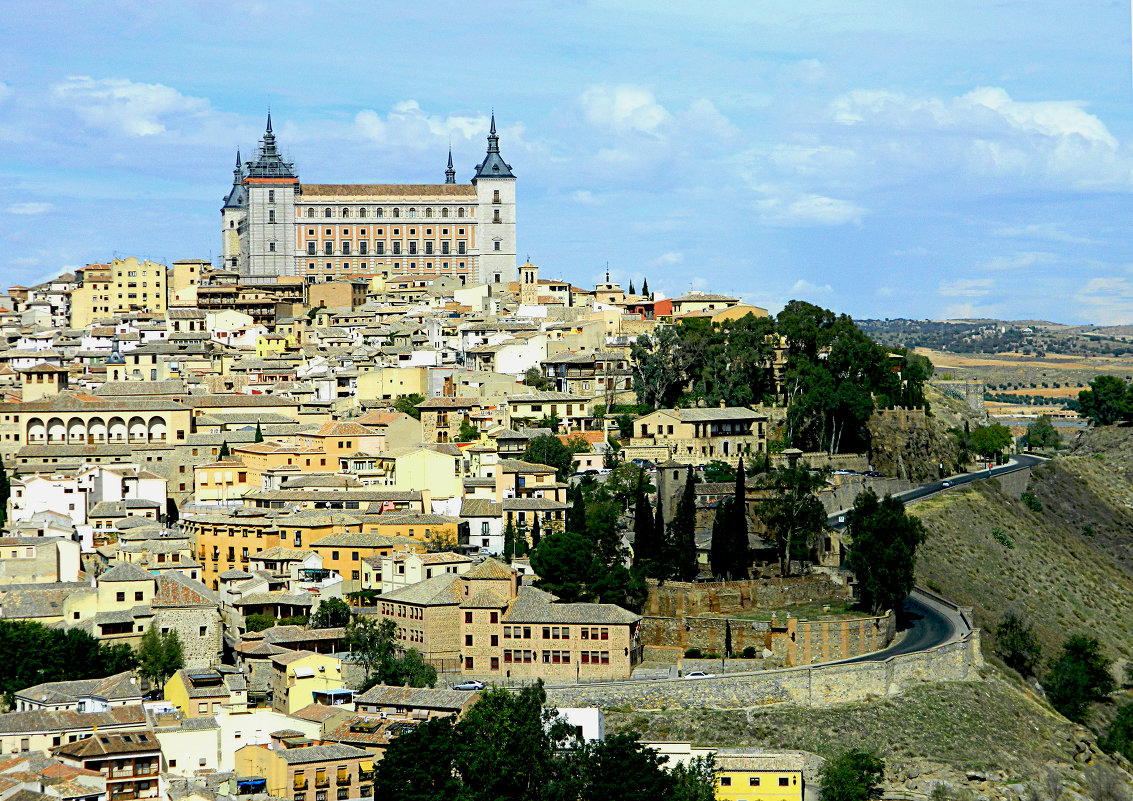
x=1057, y=576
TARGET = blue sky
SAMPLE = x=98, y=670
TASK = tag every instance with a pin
x=907, y=159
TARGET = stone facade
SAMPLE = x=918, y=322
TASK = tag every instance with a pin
x=683, y=599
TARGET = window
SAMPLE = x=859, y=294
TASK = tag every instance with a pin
x=271, y=195
x=467, y=617
x=467, y=659
x=753, y=781
x=363, y=248
x=271, y=215
x=345, y=248
x=137, y=596
x=310, y=248
x=202, y=708
x=120, y=596
x=496, y=245
x=784, y=781
x=328, y=249
x=495, y=617
x=496, y=196
x=468, y=639
x=326, y=213
x=725, y=781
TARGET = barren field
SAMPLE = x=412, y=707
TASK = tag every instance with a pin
x=1071, y=373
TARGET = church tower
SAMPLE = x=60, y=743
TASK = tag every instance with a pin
x=269, y=240
x=495, y=223
x=232, y=217
x=528, y=284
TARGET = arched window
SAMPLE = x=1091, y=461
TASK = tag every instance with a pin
x=346, y=213
x=310, y=212
x=444, y=212
x=380, y=213
x=397, y=212
x=413, y=213
x=362, y=212
x=428, y=212
x=326, y=212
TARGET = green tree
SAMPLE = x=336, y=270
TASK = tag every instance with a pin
x=577, y=443
x=224, y=452
x=468, y=432
x=883, y=550
x=332, y=613
x=372, y=643
x=407, y=404
x=987, y=441
x=718, y=472
x=509, y=539
x=259, y=434
x=682, y=534
x=537, y=381
x=739, y=554
x=851, y=776
x=549, y=450
x=645, y=287
x=576, y=517
x=536, y=532
x=644, y=537
x=1017, y=645
x=172, y=515
x=1106, y=401
x=408, y=669
x=791, y=511
x=551, y=421
x=1078, y=676
x=658, y=367
x=1042, y=434
x=419, y=765
x=1118, y=737
x=719, y=556
x=5, y=494
x=159, y=655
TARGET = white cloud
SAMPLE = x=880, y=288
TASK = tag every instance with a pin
x=668, y=259
x=583, y=196
x=803, y=287
x=808, y=210
x=981, y=134
x=5, y=91
x=702, y=117
x=29, y=208
x=409, y=125
x=1047, y=231
x=966, y=287
x=1107, y=301
x=623, y=108
x=1018, y=261
x=136, y=109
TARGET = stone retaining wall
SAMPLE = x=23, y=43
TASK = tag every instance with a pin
x=684, y=599
x=821, y=685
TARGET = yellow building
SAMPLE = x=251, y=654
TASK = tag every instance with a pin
x=390, y=383
x=90, y=300
x=261, y=457
x=343, y=552
x=202, y=693
x=295, y=769
x=271, y=345
x=224, y=480
x=759, y=777
x=298, y=675
x=137, y=286
x=184, y=278
x=426, y=468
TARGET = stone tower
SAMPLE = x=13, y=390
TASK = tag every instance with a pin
x=271, y=185
x=495, y=195
x=232, y=218
x=528, y=284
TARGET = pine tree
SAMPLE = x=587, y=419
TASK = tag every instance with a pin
x=224, y=452
x=259, y=434
x=738, y=558
x=536, y=533
x=682, y=533
x=645, y=287
x=644, y=547
x=631, y=289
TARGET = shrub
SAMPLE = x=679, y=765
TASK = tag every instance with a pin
x=1119, y=736
x=693, y=653
x=1031, y=502
x=749, y=652
x=1016, y=644
x=851, y=776
x=1088, y=531
x=1078, y=676
x=712, y=655
x=1002, y=537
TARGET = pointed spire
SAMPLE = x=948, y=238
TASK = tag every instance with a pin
x=237, y=159
x=607, y=272
x=450, y=172
x=493, y=138
x=493, y=166
x=269, y=120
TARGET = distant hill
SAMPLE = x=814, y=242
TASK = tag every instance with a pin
x=1029, y=337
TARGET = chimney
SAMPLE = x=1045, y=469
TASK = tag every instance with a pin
x=722, y=404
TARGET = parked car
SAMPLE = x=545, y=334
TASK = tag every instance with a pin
x=843, y=472
x=471, y=684
x=874, y=474
x=699, y=674
x=644, y=464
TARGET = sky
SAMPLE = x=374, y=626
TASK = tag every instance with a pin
x=884, y=159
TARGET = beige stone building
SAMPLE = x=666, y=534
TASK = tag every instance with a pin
x=698, y=436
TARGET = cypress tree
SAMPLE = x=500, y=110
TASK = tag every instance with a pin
x=631, y=289
x=509, y=539
x=682, y=532
x=661, y=566
x=738, y=558
x=224, y=452
x=576, y=520
x=645, y=287
x=536, y=533
x=727, y=637
x=259, y=434
x=644, y=546
x=720, y=556
x=5, y=492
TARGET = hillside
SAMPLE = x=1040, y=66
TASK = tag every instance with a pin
x=932, y=733
x=912, y=446
x=1071, y=567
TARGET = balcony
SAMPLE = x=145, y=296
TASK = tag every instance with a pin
x=342, y=780
x=300, y=784
x=324, y=782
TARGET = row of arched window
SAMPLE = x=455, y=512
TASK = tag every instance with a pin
x=379, y=212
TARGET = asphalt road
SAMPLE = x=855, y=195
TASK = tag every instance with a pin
x=926, y=625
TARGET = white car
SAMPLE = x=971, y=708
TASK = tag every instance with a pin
x=699, y=674
x=946, y=485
